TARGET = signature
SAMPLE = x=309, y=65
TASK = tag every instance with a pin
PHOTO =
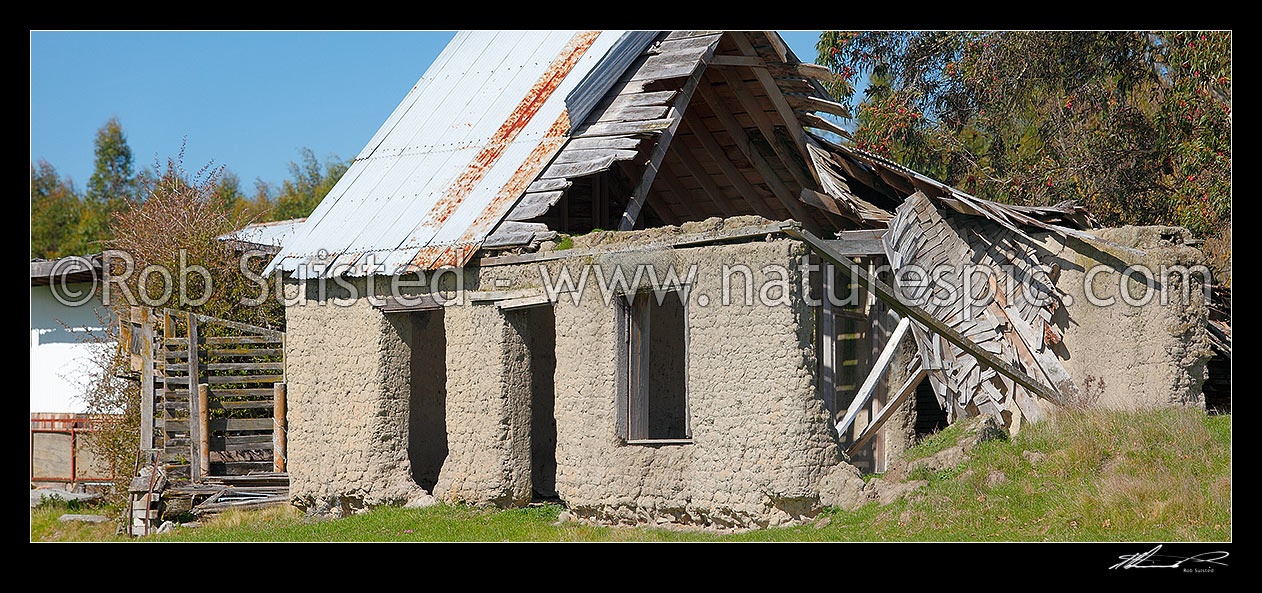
x=1151, y=559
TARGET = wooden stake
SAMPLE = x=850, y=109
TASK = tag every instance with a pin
x=203, y=425
x=146, y=380
x=194, y=401
x=278, y=427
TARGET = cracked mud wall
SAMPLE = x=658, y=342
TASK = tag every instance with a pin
x=488, y=407
x=1125, y=356
x=351, y=387
x=348, y=382
x=760, y=435
x=761, y=439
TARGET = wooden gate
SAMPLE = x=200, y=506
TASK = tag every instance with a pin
x=217, y=394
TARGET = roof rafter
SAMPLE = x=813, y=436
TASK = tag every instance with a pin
x=755, y=111
x=671, y=177
x=677, y=109
x=673, y=186
x=782, y=193
x=669, y=214
x=699, y=173
x=716, y=154
x=776, y=95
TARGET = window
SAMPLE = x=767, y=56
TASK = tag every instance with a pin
x=843, y=336
x=653, y=368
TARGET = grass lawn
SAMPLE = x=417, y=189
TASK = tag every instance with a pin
x=1160, y=475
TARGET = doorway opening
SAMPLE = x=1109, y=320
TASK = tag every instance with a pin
x=427, y=404
x=930, y=417
x=543, y=424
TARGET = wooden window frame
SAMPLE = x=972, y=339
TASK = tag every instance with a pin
x=624, y=312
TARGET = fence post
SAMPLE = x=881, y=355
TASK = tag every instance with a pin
x=146, y=375
x=203, y=424
x=278, y=427
x=194, y=399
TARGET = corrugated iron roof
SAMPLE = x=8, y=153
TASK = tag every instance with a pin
x=601, y=78
x=453, y=157
x=267, y=234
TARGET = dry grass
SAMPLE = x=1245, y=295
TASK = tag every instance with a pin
x=1159, y=475
x=239, y=518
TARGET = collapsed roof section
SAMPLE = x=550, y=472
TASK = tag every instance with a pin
x=1014, y=324
x=703, y=124
x=676, y=126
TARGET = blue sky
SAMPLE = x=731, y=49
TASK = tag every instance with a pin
x=248, y=100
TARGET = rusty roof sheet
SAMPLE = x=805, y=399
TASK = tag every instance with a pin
x=452, y=159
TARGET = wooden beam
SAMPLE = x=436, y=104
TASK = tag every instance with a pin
x=406, y=303
x=203, y=429
x=1047, y=361
x=768, y=129
x=815, y=71
x=826, y=203
x=828, y=343
x=666, y=175
x=809, y=103
x=737, y=61
x=874, y=377
x=640, y=194
x=886, y=293
x=819, y=123
x=194, y=412
x=712, y=193
x=699, y=173
x=857, y=245
x=804, y=70
x=777, y=98
x=279, y=428
x=873, y=427
x=782, y=193
x=777, y=45
x=742, y=185
x=664, y=211
x=686, y=240
x=483, y=296
x=524, y=302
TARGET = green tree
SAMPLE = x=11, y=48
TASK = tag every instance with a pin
x=54, y=212
x=1136, y=126
x=309, y=182
x=112, y=184
x=228, y=191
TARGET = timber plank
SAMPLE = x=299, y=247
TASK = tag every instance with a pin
x=226, y=424
x=885, y=293
x=240, y=340
x=653, y=126
x=581, y=155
